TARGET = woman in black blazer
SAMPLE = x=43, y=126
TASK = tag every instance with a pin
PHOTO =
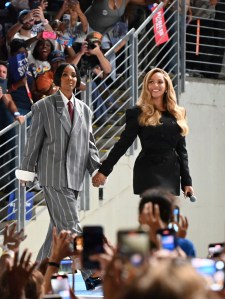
x=161, y=126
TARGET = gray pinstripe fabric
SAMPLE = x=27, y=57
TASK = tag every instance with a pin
x=60, y=152
x=62, y=207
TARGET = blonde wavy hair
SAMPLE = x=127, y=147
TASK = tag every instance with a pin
x=150, y=116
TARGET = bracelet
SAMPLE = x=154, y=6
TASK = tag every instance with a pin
x=54, y=264
x=45, y=22
x=16, y=114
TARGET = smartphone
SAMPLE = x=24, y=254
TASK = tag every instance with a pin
x=52, y=296
x=66, y=20
x=3, y=84
x=78, y=243
x=49, y=35
x=133, y=250
x=35, y=4
x=215, y=249
x=66, y=266
x=167, y=238
x=176, y=214
x=133, y=245
x=60, y=285
x=92, y=244
x=212, y=270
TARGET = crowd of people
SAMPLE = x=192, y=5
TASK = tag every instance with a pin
x=147, y=270
x=46, y=63
x=68, y=32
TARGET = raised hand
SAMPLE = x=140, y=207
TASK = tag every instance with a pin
x=19, y=274
x=182, y=226
x=13, y=238
x=61, y=245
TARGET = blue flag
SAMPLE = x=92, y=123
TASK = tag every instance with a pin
x=18, y=66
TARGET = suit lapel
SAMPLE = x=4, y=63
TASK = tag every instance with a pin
x=77, y=117
x=62, y=112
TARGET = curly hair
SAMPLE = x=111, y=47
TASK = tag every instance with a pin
x=150, y=116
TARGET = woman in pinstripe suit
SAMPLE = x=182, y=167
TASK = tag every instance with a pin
x=61, y=147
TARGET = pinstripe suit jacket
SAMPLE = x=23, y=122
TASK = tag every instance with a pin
x=59, y=151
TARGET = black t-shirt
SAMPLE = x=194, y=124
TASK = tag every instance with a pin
x=87, y=63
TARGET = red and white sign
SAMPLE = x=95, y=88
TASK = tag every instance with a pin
x=160, y=30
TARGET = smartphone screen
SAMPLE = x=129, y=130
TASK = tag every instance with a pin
x=49, y=35
x=212, y=271
x=66, y=266
x=133, y=244
x=133, y=250
x=92, y=244
x=3, y=84
x=215, y=249
x=167, y=238
x=60, y=285
x=176, y=214
x=78, y=243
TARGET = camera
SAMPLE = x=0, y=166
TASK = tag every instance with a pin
x=92, y=244
x=35, y=4
x=91, y=46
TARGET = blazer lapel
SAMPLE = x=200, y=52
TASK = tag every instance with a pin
x=77, y=117
x=62, y=112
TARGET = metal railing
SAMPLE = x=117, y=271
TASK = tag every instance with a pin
x=109, y=98
x=205, y=44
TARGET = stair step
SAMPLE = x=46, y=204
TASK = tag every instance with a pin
x=107, y=131
x=106, y=143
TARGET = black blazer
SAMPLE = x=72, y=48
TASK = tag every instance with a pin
x=163, y=160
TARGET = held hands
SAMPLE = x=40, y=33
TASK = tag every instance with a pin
x=98, y=179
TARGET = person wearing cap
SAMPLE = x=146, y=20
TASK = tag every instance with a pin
x=23, y=29
x=92, y=63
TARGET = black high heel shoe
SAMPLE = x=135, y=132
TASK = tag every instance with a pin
x=93, y=282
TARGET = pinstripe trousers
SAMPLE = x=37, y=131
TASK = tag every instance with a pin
x=62, y=208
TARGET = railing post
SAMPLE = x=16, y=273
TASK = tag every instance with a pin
x=132, y=79
x=20, y=203
x=85, y=193
x=177, y=47
x=182, y=29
